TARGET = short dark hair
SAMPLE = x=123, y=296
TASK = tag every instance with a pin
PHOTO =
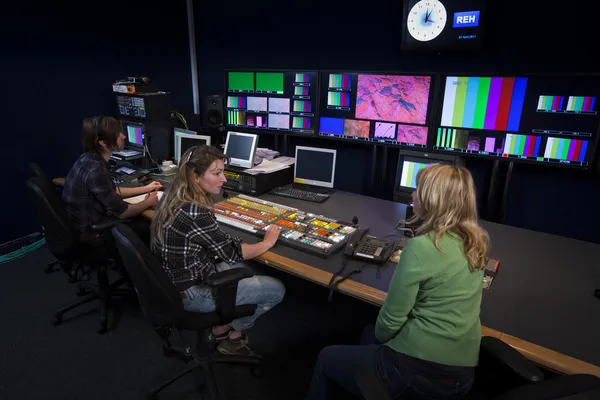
x=99, y=128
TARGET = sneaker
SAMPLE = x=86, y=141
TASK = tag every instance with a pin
x=236, y=347
x=218, y=338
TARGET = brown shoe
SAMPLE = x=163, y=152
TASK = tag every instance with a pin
x=236, y=347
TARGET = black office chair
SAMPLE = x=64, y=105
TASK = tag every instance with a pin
x=36, y=170
x=161, y=303
x=502, y=374
x=76, y=259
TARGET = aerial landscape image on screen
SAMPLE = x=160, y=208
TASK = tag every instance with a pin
x=393, y=98
x=412, y=134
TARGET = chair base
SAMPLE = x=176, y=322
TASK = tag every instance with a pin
x=205, y=365
x=103, y=291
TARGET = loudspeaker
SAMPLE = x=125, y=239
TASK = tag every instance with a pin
x=213, y=111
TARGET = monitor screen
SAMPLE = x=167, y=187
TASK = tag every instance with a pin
x=381, y=108
x=448, y=26
x=409, y=165
x=134, y=134
x=184, y=139
x=241, y=148
x=281, y=101
x=315, y=166
x=537, y=118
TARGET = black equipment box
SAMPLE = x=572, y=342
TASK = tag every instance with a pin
x=242, y=182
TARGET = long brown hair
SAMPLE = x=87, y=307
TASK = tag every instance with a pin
x=184, y=188
x=447, y=203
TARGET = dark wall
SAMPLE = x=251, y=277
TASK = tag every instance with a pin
x=58, y=67
x=531, y=36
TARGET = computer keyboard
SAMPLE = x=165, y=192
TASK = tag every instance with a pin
x=300, y=194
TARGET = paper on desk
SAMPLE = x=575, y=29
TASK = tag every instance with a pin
x=266, y=167
x=141, y=197
x=285, y=160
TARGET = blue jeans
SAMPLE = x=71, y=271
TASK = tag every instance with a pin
x=264, y=291
x=336, y=366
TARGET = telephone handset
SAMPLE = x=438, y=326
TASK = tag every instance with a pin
x=367, y=247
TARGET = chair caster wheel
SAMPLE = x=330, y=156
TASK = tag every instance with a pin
x=257, y=371
x=56, y=320
x=102, y=329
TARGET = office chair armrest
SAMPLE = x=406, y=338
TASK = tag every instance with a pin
x=510, y=359
x=229, y=276
x=224, y=285
x=109, y=224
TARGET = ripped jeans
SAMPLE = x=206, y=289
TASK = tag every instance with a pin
x=264, y=291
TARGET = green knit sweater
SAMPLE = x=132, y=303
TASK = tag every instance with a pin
x=432, y=308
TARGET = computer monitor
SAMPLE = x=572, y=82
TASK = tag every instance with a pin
x=184, y=139
x=241, y=148
x=135, y=134
x=315, y=166
x=544, y=119
x=386, y=108
x=272, y=100
x=409, y=164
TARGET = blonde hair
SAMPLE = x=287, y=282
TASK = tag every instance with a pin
x=446, y=196
x=184, y=189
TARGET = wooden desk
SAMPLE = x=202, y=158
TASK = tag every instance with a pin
x=543, y=356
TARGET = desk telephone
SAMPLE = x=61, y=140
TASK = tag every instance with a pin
x=367, y=247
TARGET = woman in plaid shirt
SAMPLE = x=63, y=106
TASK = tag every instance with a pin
x=188, y=241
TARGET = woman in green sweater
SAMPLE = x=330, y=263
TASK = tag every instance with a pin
x=427, y=335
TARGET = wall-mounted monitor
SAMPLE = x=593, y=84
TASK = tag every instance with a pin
x=444, y=26
x=384, y=108
x=546, y=119
x=284, y=101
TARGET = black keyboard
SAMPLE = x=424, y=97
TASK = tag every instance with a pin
x=300, y=194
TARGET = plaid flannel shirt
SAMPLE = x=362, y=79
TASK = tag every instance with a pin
x=90, y=196
x=193, y=243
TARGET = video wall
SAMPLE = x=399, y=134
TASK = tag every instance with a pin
x=551, y=119
x=282, y=101
x=381, y=108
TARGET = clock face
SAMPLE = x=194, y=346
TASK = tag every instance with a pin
x=426, y=20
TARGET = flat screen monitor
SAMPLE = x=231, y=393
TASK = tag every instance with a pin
x=383, y=108
x=241, y=148
x=135, y=133
x=269, y=100
x=446, y=26
x=409, y=165
x=315, y=166
x=545, y=119
x=184, y=139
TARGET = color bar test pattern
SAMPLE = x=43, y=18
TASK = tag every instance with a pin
x=134, y=134
x=522, y=145
x=566, y=149
x=302, y=106
x=302, y=78
x=236, y=117
x=550, y=103
x=581, y=103
x=339, y=99
x=340, y=81
x=301, y=123
x=410, y=170
x=236, y=102
x=301, y=91
x=483, y=102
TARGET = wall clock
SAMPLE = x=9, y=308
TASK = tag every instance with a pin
x=426, y=20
